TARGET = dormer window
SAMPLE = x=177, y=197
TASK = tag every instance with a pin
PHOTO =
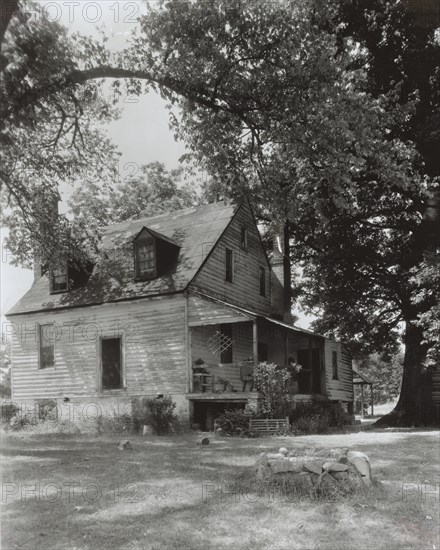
x=59, y=278
x=145, y=259
x=66, y=275
x=154, y=255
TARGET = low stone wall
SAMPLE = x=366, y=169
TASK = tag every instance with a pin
x=326, y=472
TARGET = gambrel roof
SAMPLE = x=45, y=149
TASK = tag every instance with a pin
x=195, y=230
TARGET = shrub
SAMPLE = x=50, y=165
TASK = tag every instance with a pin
x=22, y=421
x=123, y=423
x=157, y=413
x=47, y=409
x=9, y=410
x=235, y=423
x=272, y=383
x=313, y=418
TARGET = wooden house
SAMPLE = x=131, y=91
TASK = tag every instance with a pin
x=181, y=304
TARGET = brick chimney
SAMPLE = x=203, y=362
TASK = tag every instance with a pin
x=281, y=276
x=39, y=266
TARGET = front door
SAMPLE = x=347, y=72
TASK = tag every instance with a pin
x=111, y=363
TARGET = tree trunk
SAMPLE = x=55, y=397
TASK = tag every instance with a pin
x=415, y=407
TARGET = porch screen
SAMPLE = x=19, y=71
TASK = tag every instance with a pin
x=309, y=377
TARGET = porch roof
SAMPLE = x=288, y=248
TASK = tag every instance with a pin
x=359, y=378
x=248, y=314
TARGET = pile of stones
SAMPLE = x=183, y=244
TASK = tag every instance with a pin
x=328, y=472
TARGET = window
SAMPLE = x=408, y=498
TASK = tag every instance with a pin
x=47, y=346
x=262, y=281
x=335, y=365
x=59, y=278
x=244, y=238
x=145, y=259
x=226, y=348
x=111, y=361
x=229, y=264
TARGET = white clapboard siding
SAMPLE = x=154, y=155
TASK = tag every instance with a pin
x=245, y=289
x=342, y=388
x=153, y=335
x=204, y=311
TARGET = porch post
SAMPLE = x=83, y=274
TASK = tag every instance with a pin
x=362, y=400
x=255, y=342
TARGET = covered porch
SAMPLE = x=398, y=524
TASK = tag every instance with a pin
x=224, y=352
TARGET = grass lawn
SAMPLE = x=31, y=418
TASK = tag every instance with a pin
x=80, y=492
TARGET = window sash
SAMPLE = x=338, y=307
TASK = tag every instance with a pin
x=145, y=259
x=244, y=238
x=229, y=265
x=47, y=346
x=262, y=281
x=59, y=278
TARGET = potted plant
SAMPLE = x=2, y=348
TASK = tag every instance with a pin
x=220, y=384
x=228, y=387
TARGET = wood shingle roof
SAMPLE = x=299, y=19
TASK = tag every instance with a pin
x=195, y=230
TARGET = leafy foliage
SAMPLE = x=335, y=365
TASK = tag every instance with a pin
x=386, y=374
x=313, y=418
x=157, y=413
x=50, y=132
x=5, y=369
x=272, y=382
x=152, y=190
x=235, y=423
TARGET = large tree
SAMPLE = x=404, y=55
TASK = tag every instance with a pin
x=275, y=99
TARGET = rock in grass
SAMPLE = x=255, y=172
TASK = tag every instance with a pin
x=283, y=451
x=125, y=445
x=362, y=464
x=327, y=486
x=357, y=454
x=313, y=467
x=203, y=440
x=284, y=466
x=334, y=467
x=274, y=456
x=340, y=476
x=262, y=467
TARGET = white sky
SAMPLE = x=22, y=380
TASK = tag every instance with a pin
x=141, y=134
